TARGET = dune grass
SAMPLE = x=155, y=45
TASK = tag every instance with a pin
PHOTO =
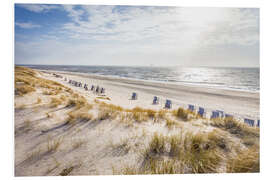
x=81, y=114
x=245, y=161
x=170, y=123
x=53, y=144
x=55, y=102
x=182, y=114
x=23, y=89
x=235, y=127
x=181, y=153
x=26, y=81
x=66, y=171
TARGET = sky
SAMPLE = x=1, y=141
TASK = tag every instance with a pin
x=136, y=35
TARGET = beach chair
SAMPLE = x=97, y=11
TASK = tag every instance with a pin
x=214, y=115
x=102, y=91
x=97, y=89
x=258, y=123
x=86, y=88
x=65, y=79
x=191, y=107
x=168, y=104
x=201, y=111
x=250, y=122
x=134, y=96
x=228, y=115
x=155, y=100
x=221, y=113
x=92, y=88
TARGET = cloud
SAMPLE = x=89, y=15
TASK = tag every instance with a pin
x=168, y=24
x=37, y=8
x=27, y=25
x=154, y=35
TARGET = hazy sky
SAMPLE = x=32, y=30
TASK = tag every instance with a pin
x=136, y=35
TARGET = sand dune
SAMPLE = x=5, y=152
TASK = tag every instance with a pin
x=61, y=129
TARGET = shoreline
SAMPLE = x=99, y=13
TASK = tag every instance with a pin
x=241, y=104
x=108, y=77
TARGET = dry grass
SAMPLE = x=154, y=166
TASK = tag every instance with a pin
x=235, y=127
x=26, y=81
x=63, y=98
x=157, y=144
x=36, y=154
x=55, y=102
x=181, y=113
x=23, y=89
x=139, y=114
x=105, y=98
x=175, y=143
x=126, y=118
x=38, y=101
x=66, y=171
x=157, y=166
x=48, y=92
x=201, y=157
x=27, y=125
x=170, y=123
x=56, y=165
x=183, y=153
x=79, y=115
x=162, y=114
x=109, y=111
x=53, y=145
x=102, y=115
x=77, y=101
x=245, y=162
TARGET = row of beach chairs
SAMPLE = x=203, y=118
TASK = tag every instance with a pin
x=201, y=111
x=95, y=89
x=168, y=103
x=57, y=75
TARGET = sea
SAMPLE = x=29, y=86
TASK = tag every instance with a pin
x=246, y=79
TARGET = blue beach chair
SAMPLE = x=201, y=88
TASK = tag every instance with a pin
x=228, y=115
x=201, y=111
x=168, y=104
x=155, y=100
x=134, y=96
x=258, y=123
x=92, y=88
x=221, y=113
x=102, y=91
x=250, y=122
x=214, y=115
x=191, y=107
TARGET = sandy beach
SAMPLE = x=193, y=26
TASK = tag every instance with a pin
x=64, y=130
x=241, y=104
